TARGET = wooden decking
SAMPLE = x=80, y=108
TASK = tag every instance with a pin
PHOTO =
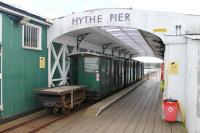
x=138, y=112
x=100, y=106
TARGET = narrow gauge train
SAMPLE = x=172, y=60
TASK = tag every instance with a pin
x=103, y=74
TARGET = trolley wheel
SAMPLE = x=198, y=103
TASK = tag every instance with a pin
x=65, y=110
x=77, y=105
x=49, y=110
x=55, y=110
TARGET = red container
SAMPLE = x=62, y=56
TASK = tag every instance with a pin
x=170, y=108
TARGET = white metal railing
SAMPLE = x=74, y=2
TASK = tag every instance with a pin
x=62, y=67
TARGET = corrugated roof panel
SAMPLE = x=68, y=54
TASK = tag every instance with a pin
x=130, y=37
x=21, y=10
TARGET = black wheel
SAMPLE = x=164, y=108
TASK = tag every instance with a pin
x=55, y=110
x=49, y=110
x=77, y=105
x=64, y=110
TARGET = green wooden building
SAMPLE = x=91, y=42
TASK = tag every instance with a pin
x=23, y=60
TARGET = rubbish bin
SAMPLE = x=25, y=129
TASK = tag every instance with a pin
x=170, y=107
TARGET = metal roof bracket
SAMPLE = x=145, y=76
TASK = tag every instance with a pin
x=121, y=51
x=80, y=39
x=105, y=46
x=114, y=49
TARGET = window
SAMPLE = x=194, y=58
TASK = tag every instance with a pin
x=31, y=37
x=91, y=64
x=108, y=67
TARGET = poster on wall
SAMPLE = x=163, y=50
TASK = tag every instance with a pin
x=173, y=68
x=42, y=62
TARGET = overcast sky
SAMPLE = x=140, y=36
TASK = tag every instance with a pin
x=57, y=8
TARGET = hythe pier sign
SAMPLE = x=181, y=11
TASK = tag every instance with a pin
x=117, y=17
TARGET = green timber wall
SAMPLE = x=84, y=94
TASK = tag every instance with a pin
x=21, y=72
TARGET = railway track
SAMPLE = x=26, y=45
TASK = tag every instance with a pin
x=40, y=122
x=37, y=123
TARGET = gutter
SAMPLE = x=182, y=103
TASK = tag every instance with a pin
x=23, y=15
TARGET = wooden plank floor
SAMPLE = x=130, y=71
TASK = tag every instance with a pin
x=138, y=112
x=100, y=106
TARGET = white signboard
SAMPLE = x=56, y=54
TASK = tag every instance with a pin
x=88, y=19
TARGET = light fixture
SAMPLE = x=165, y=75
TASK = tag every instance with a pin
x=24, y=20
x=111, y=30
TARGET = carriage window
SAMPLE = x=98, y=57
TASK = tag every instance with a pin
x=91, y=64
x=108, y=67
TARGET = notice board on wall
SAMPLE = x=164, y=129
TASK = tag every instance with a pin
x=42, y=62
x=173, y=68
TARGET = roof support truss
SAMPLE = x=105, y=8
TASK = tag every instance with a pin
x=80, y=39
x=131, y=55
x=114, y=49
x=126, y=53
x=121, y=51
x=105, y=46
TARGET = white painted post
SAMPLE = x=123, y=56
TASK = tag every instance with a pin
x=49, y=66
x=64, y=64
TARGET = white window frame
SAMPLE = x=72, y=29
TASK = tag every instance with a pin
x=39, y=41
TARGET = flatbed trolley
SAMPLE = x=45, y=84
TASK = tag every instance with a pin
x=62, y=97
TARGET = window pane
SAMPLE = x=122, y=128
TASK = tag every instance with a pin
x=28, y=36
x=91, y=64
x=36, y=34
x=25, y=35
x=31, y=36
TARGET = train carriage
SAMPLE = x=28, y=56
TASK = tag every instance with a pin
x=93, y=70
x=102, y=74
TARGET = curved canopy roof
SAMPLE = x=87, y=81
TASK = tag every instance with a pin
x=130, y=30
x=129, y=41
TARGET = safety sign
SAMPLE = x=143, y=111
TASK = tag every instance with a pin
x=173, y=68
x=42, y=62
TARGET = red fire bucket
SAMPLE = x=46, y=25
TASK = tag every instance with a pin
x=170, y=108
